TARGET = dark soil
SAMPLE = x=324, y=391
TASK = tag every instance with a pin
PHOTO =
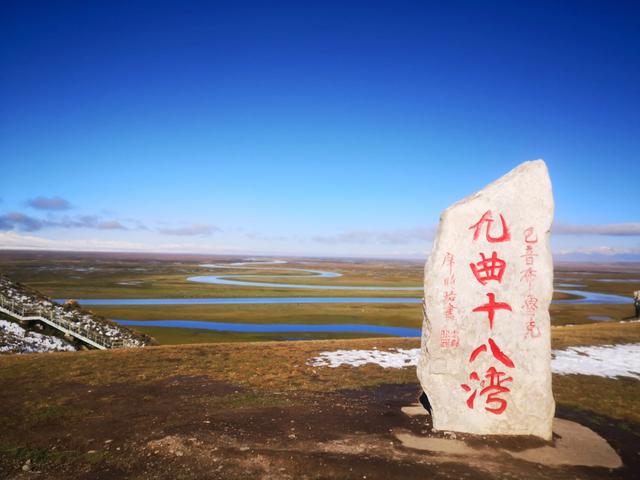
x=193, y=427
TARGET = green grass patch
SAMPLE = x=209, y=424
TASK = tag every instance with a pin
x=185, y=336
x=39, y=455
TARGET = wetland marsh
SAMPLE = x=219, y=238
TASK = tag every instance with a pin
x=157, y=294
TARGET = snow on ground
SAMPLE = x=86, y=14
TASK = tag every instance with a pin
x=603, y=361
x=15, y=339
x=395, y=358
x=30, y=303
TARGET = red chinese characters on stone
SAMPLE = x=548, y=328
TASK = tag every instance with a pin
x=530, y=306
x=449, y=282
x=492, y=389
x=486, y=222
x=449, y=338
x=467, y=388
x=491, y=306
x=449, y=296
x=495, y=351
x=529, y=255
x=449, y=305
x=530, y=236
x=488, y=269
x=492, y=229
x=449, y=261
x=528, y=275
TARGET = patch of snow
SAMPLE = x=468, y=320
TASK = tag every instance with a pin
x=16, y=339
x=603, y=361
x=30, y=304
x=395, y=358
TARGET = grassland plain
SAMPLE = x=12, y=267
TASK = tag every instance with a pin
x=82, y=275
x=75, y=275
x=397, y=315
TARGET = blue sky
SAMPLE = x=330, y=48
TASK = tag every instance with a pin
x=325, y=128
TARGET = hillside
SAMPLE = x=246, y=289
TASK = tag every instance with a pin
x=60, y=327
x=261, y=410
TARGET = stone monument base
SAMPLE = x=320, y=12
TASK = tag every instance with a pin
x=572, y=444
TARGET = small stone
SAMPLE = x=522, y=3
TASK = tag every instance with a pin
x=91, y=451
x=108, y=441
x=179, y=453
x=27, y=466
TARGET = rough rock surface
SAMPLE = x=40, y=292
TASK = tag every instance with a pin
x=485, y=360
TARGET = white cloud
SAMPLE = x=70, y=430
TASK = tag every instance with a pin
x=26, y=223
x=384, y=237
x=601, y=250
x=49, y=203
x=419, y=234
x=191, y=230
x=111, y=225
x=13, y=240
x=614, y=229
x=16, y=241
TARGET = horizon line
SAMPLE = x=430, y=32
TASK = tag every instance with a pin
x=300, y=255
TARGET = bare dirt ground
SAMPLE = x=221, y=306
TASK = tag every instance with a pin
x=156, y=414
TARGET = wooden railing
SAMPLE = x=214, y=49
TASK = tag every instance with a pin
x=82, y=332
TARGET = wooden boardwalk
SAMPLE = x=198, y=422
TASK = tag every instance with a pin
x=82, y=332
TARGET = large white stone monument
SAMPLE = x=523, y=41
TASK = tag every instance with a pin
x=485, y=363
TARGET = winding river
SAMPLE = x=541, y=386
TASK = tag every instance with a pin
x=276, y=327
x=226, y=280
x=584, y=297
